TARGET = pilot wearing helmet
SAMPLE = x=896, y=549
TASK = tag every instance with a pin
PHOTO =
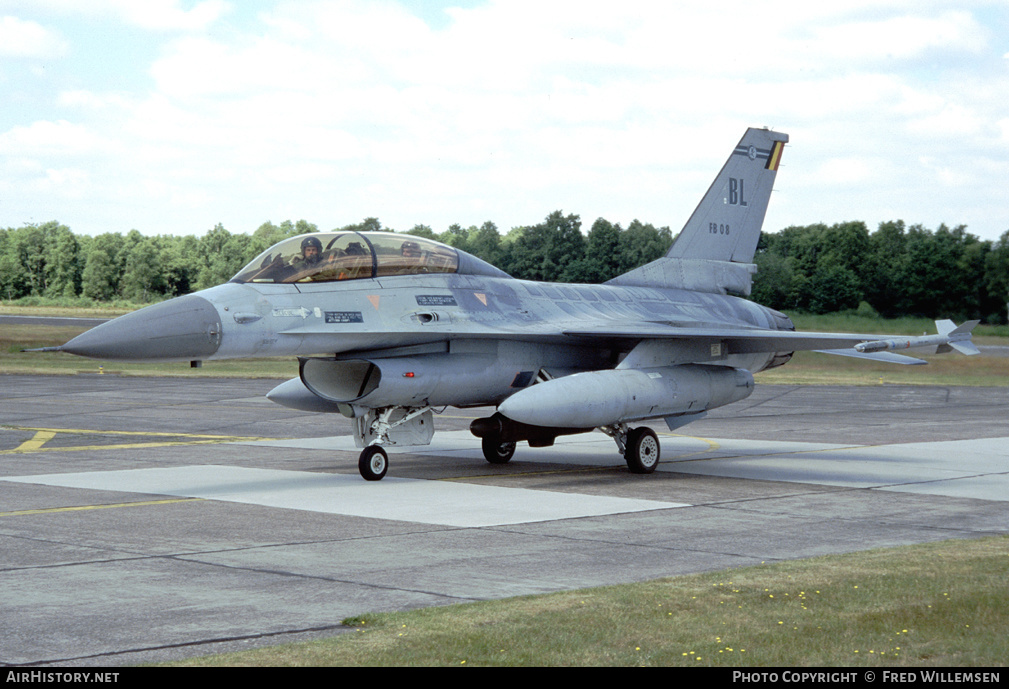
x=311, y=252
x=410, y=250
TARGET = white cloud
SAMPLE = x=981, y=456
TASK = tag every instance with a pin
x=57, y=139
x=513, y=108
x=152, y=15
x=845, y=172
x=26, y=38
x=900, y=37
x=68, y=182
x=166, y=15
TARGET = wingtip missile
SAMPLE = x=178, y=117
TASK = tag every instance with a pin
x=949, y=336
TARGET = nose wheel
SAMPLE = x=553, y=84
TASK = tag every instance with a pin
x=373, y=463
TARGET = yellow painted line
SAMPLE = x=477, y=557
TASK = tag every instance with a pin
x=123, y=446
x=51, y=510
x=42, y=435
x=712, y=445
x=36, y=442
x=89, y=431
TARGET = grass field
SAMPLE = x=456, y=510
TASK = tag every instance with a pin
x=13, y=339
x=934, y=605
x=813, y=368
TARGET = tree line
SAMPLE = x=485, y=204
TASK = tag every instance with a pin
x=894, y=271
x=49, y=260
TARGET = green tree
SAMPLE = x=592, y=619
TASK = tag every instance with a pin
x=142, y=276
x=642, y=243
x=543, y=251
x=773, y=281
x=997, y=278
x=12, y=276
x=833, y=287
x=823, y=266
x=455, y=236
x=847, y=245
x=25, y=258
x=885, y=269
x=214, y=259
x=100, y=277
x=366, y=225
x=269, y=234
x=422, y=231
x=62, y=257
x=604, y=257
x=485, y=242
x=178, y=256
x=938, y=278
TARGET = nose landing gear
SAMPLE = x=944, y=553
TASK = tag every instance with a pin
x=373, y=463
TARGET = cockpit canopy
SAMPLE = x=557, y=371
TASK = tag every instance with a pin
x=331, y=256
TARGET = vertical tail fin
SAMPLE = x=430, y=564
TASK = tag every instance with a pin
x=726, y=225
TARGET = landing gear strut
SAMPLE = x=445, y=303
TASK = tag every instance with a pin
x=388, y=426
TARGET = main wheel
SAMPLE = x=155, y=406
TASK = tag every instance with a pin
x=373, y=463
x=642, y=452
x=497, y=452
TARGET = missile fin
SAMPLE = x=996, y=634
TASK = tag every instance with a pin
x=965, y=347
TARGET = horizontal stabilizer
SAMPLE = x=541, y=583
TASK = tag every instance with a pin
x=694, y=274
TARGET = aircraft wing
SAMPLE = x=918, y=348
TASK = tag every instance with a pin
x=746, y=340
x=751, y=340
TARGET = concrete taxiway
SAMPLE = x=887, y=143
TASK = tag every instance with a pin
x=147, y=519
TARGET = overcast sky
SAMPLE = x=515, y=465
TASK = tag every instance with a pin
x=170, y=116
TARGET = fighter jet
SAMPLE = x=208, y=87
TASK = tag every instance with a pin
x=388, y=328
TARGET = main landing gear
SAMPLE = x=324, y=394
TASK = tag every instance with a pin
x=642, y=453
x=412, y=426
x=639, y=446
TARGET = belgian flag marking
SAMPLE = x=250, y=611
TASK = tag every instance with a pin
x=775, y=157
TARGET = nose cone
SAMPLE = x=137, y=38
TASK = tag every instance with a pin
x=180, y=329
